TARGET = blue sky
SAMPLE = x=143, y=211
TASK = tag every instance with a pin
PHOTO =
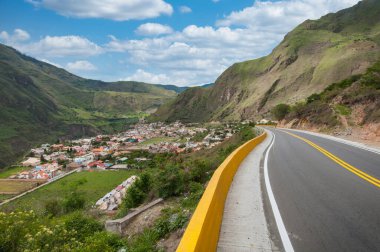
x=156, y=41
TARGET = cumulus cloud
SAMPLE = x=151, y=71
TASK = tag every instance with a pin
x=119, y=10
x=60, y=46
x=153, y=29
x=18, y=35
x=185, y=9
x=281, y=16
x=143, y=76
x=198, y=54
x=80, y=65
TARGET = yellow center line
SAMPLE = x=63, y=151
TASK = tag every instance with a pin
x=356, y=171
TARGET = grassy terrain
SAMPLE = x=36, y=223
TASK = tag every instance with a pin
x=340, y=99
x=180, y=179
x=15, y=187
x=156, y=140
x=11, y=171
x=43, y=103
x=312, y=56
x=92, y=185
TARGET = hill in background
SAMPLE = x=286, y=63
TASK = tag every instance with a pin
x=40, y=102
x=311, y=57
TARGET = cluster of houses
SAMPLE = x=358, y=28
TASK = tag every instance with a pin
x=112, y=200
x=49, y=161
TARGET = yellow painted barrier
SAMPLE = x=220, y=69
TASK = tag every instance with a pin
x=202, y=233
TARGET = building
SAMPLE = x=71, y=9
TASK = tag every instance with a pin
x=32, y=161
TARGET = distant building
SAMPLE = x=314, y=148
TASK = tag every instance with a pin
x=31, y=162
x=263, y=121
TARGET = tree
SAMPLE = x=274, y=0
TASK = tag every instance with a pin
x=280, y=111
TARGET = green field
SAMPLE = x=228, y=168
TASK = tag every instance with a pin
x=156, y=140
x=93, y=186
x=12, y=171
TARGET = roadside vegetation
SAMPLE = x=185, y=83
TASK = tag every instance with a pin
x=337, y=100
x=60, y=216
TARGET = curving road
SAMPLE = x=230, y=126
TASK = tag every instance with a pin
x=327, y=192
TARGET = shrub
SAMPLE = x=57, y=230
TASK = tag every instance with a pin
x=135, y=196
x=102, y=241
x=53, y=207
x=198, y=172
x=313, y=97
x=73, y=202
x=171, y=181
x=196, y=191
x=246, y=133
x=136, y=193
x=83, y=226
x=280, y=111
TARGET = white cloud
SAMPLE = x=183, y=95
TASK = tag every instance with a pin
x=153, y=29
x=18, y=35
x=60, y=46
x=281, y=16
x=119, y=10
x=143, y=76
x=185, y=9
x=198, y=54
x=216, y=1
x=80, y=65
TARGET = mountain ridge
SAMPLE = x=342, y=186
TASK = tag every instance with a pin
x=41, y=102
x=310, y=57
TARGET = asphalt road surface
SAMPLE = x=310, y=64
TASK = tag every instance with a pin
x=328, y=193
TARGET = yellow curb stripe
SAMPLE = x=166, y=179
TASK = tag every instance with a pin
x=356, y=171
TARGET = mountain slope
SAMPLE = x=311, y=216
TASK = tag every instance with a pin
x=349, y=107
x=40, y=102
x=313, y=55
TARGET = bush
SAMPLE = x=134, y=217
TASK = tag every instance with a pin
x=171, y=181
x=198, y=172
x=24, y=231
x=83, y=226
x=102, y=241
x=53, y=207
x=73, y=202
x=136, y=193
x=246, y=133
x=280, y=111
x=196, y=192
x=313, y=97
x=134, y=197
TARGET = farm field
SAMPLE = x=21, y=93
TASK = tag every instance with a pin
x=16, y=186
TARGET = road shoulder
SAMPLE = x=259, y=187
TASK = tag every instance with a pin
x=244, y=225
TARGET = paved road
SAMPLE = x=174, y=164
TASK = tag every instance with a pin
x=324, y=206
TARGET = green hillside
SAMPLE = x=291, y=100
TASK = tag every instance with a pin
x=41, y=102
x=353, y=102
x=313, y=55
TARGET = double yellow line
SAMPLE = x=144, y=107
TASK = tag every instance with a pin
x=356, y=171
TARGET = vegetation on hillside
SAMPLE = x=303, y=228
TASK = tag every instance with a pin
x=41, y=103
x=65, y=207
x=312, y=56
x=338, y=99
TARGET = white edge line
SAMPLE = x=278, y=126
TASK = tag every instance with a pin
x=339, y=140
x=276, y=212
